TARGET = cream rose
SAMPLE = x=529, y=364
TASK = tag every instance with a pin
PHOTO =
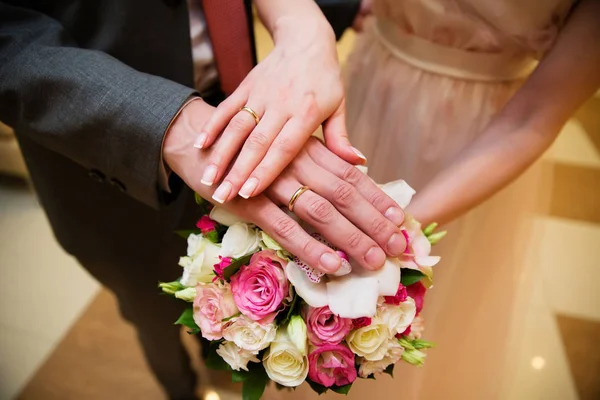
x=198, y=265
x=284, y=361
x=249, y=335
x=234, y=356
x=398, y=317
x=393, y=355
x=224, y=217
x=370, y=342
x=239, y=240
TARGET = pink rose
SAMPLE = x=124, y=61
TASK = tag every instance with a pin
x=220, y=267
x=324, y=327
x=331, y=364
x=206, y=225
x=417, y=292
x=399, y=297
x=361, y=322
x=260, y=287
x=213, y=303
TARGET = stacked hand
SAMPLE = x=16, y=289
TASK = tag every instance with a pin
x=257, y=145
x=343, y=203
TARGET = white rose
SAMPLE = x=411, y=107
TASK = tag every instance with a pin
x=398, y=317
x=249, y=335
x=198, y=266
x=393, y=355
x=370, y=342
x=234, y=356
x=284, y=362
x=239, y=240
x=224, y=217
x=187, y=294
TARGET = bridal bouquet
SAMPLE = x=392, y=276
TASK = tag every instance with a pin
x=270, y=317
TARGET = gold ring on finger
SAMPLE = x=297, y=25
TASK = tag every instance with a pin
x=251, y=112
x=295, y=197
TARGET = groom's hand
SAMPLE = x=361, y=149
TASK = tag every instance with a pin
x=340, y=211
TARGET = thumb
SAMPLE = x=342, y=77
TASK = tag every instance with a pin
x=336, y=137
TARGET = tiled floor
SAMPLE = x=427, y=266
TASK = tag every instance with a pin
x=53, y=346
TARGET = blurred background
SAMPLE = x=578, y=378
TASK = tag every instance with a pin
x=61, y=336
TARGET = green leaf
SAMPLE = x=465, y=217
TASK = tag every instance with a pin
x=187, y=319
x=410, y=276
x=342, y=389
x=187, y=232
x=213, y=236
x=254, y=386
x=239, y=376
x=389, y=370
x=199, y=199
x=235, y=266
x=213, y=360
x=320, y=389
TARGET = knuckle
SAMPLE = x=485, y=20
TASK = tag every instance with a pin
x=380, y=226
x=286, y=147
x=355, y=240
x=238, y=123
x=344, y=194
x=310, y=110
x=321, y=210
x=308, y=247
x=378, y=199
x=351, y=174
x=284, y=227
x=258, y=140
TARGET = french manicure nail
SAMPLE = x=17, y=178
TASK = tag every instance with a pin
x=375, y=257
x=200, y=141
x=396, y=244
x=248, y=188
x=395, y=215
x=359, y=154
x=222, y=192
x=330, y=262
x=210, y=173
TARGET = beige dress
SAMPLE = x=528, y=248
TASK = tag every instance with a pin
x=423, y=81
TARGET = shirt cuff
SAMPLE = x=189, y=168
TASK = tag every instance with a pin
x=164, y=172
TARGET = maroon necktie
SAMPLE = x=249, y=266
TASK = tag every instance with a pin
x=230, y=37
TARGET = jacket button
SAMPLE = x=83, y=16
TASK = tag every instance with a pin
x=97, y=175
x=117, y=183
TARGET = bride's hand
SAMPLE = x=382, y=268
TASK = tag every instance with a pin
x=293, y=91
x=344, y=204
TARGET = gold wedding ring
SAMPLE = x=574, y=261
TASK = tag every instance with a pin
x=251, y=112
x=295, y=197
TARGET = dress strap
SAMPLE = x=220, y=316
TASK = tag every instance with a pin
x=450, y=61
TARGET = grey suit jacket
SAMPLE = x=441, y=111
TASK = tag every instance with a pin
x=89, y=87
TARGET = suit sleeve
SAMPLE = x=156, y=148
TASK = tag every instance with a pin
x=84, y=104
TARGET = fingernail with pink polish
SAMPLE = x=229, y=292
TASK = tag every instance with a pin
x=222, y=192
x=200, y=141
x=359, y=154
x=248, y=188
x=210, y=173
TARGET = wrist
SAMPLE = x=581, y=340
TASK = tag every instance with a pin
x=303, y=31
x=179, y=152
